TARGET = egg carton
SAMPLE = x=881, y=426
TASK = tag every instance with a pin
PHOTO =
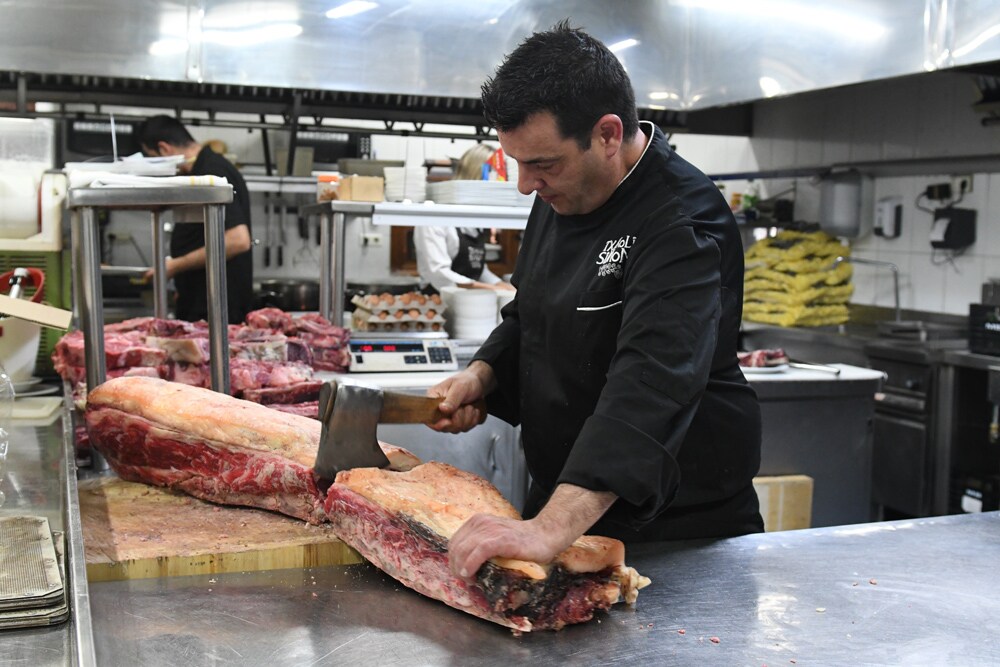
x=380, y=303
x=364, y=320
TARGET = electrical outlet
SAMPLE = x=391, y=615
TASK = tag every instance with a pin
x=371, y=240
x=961, y=185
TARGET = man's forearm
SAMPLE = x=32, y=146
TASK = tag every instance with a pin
x=237, y=240
x=571, y=511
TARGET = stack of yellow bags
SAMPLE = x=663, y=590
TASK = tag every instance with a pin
x=792, y=279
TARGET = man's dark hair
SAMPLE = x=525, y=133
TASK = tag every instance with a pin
x=566, y=72
x=162, y=128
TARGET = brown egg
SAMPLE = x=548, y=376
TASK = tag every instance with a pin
x=400, y=314
x=436, y=299
x=414, y=313
x=384, y=314
x=421, y=299
x=430, y=314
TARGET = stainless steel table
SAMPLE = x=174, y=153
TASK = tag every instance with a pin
x=39, y=479
x=897, y=593
x=87, y=270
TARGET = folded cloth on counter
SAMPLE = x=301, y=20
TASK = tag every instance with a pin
x=792, y=279
x=106, y=179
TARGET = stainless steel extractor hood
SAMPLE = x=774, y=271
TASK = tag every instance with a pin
x=684, y=56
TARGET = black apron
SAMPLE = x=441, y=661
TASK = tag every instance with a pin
x=471, y=257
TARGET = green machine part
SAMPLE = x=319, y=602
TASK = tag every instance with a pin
x=58, y=286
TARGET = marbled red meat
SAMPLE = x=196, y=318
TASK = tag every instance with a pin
x=210, y=445
x=762, y=358
x=402, y=522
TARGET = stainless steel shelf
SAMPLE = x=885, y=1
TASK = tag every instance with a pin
x=333, y=225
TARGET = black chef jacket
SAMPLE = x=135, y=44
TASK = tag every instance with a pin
x=192, y=286
x=618, y=356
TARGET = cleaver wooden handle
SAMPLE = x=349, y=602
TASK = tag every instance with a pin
x=409, y=409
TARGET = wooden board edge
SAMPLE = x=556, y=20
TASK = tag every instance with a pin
x=294, y=557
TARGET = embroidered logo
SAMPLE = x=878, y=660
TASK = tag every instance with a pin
x=613, y=256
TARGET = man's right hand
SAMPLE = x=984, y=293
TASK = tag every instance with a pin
x=458, y=391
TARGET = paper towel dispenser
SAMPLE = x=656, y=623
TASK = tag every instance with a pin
x=846, y=204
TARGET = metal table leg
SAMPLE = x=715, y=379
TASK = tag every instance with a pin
x=218, y=308
x=159, y=268
x=331, y=284
x=86, y=243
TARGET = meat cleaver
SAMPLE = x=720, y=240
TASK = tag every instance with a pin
x=350, y=415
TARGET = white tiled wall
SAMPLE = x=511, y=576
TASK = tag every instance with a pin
x=927, y=116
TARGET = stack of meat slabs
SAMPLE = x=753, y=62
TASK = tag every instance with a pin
x=32, y=576
x=410, y=312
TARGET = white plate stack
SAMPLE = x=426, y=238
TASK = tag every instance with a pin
x=484, y=193
x=405, y=183
x=503, y=298
x=472, y=313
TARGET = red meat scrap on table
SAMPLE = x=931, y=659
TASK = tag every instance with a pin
x=762, y=358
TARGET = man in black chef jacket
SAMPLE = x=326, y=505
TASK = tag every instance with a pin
x=618, y=355
x=165, y=135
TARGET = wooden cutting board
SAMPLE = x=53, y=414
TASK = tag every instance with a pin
x=136, y=531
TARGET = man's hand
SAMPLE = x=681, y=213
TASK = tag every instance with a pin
x=568, y=514
x=458, y=391
x=171, y=265
x=485, y=536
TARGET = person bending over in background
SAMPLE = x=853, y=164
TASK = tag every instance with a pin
x=457, y=256
x=165, y=135
x=618, y=354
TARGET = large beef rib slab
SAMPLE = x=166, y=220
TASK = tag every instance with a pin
x=211, y=446
x=402, y=521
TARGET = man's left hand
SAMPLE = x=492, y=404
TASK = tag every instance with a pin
x=171, y=266
x=484, y=536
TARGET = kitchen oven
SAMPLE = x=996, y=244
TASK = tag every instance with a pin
x=904, y=449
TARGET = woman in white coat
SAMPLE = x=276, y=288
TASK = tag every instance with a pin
x=457, y=256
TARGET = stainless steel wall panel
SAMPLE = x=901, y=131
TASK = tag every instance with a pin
x=687, y=55
x=99, y=37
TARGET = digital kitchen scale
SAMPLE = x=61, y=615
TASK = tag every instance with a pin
x=386, y=355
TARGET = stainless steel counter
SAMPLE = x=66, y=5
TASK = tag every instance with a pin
x=39, y=479
x=899, y=593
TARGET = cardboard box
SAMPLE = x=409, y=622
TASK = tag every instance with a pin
x=785, y=501
x=361, y=188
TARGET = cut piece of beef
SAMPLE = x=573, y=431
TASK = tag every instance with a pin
x=402, y=522
x=762, y=358
x=298, y=392
x=297, y=350
x=196, y=348
x=121, y=350
x=305, y=409
x=210, y=445
x=273, y=319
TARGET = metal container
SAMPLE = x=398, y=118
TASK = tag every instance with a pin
x=846, y=201
x=289, y=295
x=991, y=292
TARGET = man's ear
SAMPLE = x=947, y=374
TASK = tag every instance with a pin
x=608, y=134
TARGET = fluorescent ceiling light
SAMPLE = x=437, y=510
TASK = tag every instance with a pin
x=769, y=87
x=622, y=45
x=251, y=36
x=663, y=95
x=350, y=9
x=977, y=41
x=785, y=13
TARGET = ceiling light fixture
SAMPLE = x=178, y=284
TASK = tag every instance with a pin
x=350, y=9
x=622, y=45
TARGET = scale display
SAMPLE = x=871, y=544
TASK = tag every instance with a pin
x=393, y=356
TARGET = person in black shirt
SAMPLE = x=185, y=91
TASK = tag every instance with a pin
x=165, y=135
x=618, y=355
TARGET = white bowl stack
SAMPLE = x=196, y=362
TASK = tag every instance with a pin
x=472, y=313
x=403, y=183
x=503, y=298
